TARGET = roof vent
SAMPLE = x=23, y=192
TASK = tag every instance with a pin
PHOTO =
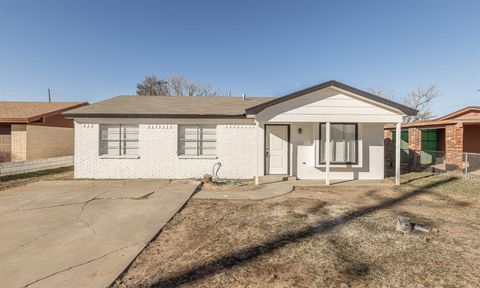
x=243, y=96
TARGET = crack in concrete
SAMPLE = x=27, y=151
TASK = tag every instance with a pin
x=84, y=206
x=146, y=196
x=81, y=264
x=143, y=197
x=43, y=207
x=79, y=216
x=29, y=241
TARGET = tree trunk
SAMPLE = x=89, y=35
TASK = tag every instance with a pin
x=207, y=178
x=404, y=224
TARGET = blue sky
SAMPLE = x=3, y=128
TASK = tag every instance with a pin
x=92, y=50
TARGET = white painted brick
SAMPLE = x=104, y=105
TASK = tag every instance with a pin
x=158, y=154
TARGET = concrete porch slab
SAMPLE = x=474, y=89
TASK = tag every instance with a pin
x=383, y=183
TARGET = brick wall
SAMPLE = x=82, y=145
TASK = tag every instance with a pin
x=387, y=144
x=19, y=142
x=414, y=138
x=57, y=121
x=158, y=154
x=415, y=145
x=47, y=141
x=31, y=142
x=454, y=145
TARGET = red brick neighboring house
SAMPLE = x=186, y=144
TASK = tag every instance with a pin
x=451, y=135
x=35, y=130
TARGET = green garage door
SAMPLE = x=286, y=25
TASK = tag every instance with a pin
x=429, y=146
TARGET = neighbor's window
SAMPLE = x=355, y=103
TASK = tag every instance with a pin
x=197, y=140
x=117, y=140
x=344, y=143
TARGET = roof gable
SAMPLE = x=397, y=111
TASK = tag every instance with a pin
x=467, y=113
x=380, y=100
x=329, y=105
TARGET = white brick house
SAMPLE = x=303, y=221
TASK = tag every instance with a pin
x=183, y=137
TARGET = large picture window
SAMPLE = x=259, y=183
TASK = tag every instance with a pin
x=196, y=140
x=118, y=140
x=343, y=139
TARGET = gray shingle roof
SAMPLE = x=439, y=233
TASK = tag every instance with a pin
x=207, y=106
x=169, y=106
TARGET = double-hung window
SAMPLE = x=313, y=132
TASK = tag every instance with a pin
x=343, y=139
x=197, y=140
x=118, y=140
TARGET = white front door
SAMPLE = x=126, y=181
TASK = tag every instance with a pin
x=276, y=149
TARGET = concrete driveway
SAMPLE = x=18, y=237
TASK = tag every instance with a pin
x=81, y=233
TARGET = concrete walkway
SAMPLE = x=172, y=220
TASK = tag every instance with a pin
x=378, y=183
x=267, y=191
x=81, y=233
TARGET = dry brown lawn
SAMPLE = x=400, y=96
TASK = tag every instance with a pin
x=242, y=185
x=65, y=173
x=339, y=236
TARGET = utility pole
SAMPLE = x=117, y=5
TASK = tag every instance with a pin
x=49, y=97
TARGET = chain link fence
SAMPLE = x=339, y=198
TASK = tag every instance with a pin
x=472, y=165
x=467, y=164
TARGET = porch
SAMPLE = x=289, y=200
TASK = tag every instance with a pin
x=291, y=180
x=329, y=132
x=326, y=153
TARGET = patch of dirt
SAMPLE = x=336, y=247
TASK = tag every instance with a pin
x=336, y=236
x=46, y=175
x=243, y=185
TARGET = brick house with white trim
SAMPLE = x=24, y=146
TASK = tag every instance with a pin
x=327, y=131
x=449, y=136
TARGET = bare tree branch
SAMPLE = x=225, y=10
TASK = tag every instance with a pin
x=173, y=86
x=152, y=86
x=379, y=91
x=421, y=99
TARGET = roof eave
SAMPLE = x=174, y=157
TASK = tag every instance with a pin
x=131, y=115
x=38, y=117
x=15, y=120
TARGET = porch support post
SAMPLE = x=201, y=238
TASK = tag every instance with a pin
x=257, y=152
x=327, y=154
x=398, y=130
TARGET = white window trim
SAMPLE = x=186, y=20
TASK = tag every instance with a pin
x=106, y=156
x=181, y=156
x=103, y=156
x=317, y=140
x=197, y=156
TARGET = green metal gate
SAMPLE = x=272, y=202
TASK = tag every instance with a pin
x=429, y=146
x=404, y=151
